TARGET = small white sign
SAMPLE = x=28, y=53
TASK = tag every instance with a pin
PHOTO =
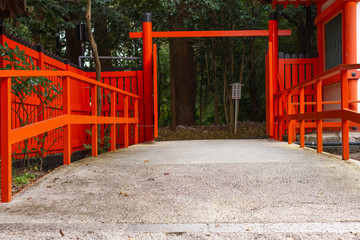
x=236, y=90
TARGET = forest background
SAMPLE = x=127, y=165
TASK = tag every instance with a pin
x=194, y=74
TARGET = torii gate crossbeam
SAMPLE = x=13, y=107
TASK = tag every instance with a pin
x=230, y=33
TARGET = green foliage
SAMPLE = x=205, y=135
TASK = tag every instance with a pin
x=104, y=143
x=22, y=88
x=23, y=179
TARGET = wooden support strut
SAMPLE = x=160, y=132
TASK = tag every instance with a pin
x=66, y=111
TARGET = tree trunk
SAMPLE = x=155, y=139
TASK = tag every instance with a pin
x=183, y=75
x=101, y=36
x=216, y=100
x=97, y=61
x=73, y=45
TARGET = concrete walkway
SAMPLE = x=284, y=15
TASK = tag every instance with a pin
x=211, y=189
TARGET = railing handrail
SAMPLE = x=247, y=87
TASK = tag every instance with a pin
x=51, y=73
x=322, y=76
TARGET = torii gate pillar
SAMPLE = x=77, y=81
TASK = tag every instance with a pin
x=273, y=71
x=148, y=81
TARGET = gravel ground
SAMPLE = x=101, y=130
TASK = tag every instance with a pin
x=208, y=189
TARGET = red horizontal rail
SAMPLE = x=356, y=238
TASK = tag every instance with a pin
x=322, y=76
x=230, y=33
x=35, y=73
x=115, y=74
x=35, y=129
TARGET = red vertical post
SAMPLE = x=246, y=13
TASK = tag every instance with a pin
x=94, y=137
x=302, y=121
x=140, y=77
x=113, y=125
x=344, y=122
x=148, y=81
x=136, y=116
x=126, y=116
x=276, y=114
x=66, y=111
x=270, y=95
x=40, y=110
x=6, y=174
x=350, y=46
x=289, y=110
x=156, y=126
x=281, y=122
x=273, y=63
x=2, y=63
x=319, y=121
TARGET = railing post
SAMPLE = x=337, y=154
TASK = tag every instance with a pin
x=156, y=128
x=289, y=110
x=6, y=158
x=302, y=121
x=136, y=116
x=344, y=122
x=319, y=121
x=113, y=125
x=126, y=116
x=40, y=110
x=94, y=137
x=66, y=111
x=276, y=114
x=281, y=122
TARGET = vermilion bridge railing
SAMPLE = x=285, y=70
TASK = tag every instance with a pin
x=11, y=135
x=130, y=81
x=288, y=119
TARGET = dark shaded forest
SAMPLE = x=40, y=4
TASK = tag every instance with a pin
x=194, y=73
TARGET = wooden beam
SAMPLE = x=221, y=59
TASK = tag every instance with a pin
x=230, y=33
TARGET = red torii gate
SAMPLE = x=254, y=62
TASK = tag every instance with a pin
x=150, y=91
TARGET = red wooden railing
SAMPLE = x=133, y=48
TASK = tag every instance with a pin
x=342, y=74
x=130, y=81
x=293, y=71
x=10, y=135
x=125, y=102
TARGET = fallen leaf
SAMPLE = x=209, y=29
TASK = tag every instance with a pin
x=146, y=161
x=122, y=192
x=208, y=235
x=61, y=232
x=248, y=229
x=166, y=173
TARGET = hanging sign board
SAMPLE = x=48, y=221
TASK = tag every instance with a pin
x=236, y=90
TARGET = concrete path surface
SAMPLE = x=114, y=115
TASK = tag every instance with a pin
x=210, y=189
